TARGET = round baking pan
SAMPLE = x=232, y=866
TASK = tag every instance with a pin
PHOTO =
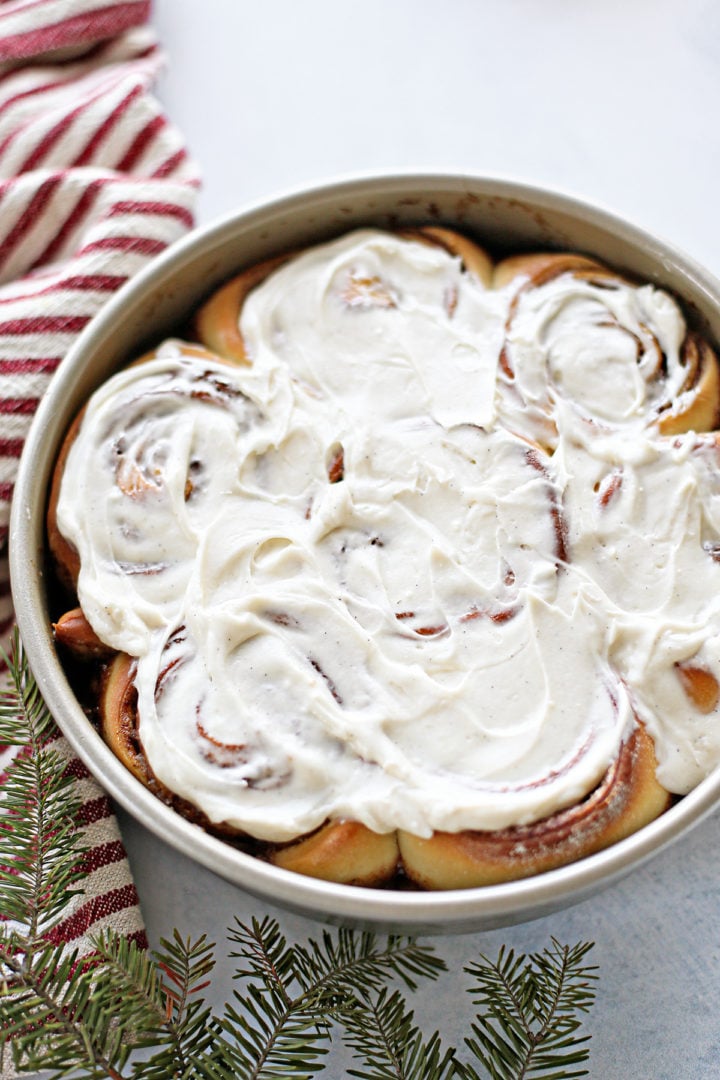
x=504, y=216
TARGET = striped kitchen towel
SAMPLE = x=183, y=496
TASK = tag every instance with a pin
x=94, y=182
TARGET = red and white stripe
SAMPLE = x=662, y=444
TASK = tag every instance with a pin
x=112, y=226
x=109, y=897
x=34, y=28
x=94, y=182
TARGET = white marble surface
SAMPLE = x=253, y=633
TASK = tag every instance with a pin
x=616, y=103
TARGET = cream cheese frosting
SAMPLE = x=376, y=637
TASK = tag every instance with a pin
x=355, y=584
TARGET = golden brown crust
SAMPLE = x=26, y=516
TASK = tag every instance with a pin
x=118, y=716
x=65, y=558
x=538, y=268
x=474, y=258
x=217, y=323
x=628, y=797
x=73, y=632
x=342, y=851
x=699, y=410
x=700, y=685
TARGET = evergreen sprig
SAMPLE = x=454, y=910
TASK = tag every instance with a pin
x=40, y=862
x=529, y=1023
x=384, y=1036
x=281, y=1024
x=130, y=1014
x=46, y=995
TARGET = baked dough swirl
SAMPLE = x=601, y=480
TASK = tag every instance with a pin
x=367, y=572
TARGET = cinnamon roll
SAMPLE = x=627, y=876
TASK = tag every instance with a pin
x=408, y=570
x=584, y=341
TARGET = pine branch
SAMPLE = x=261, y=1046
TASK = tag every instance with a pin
x=381, y=1032
x=41, y=861
x=55, y=1021
x=185, y=1032
x=270, y=1031
x=351, y=959
x=282, y=1023
x=528, y=1021
x=46, y=999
